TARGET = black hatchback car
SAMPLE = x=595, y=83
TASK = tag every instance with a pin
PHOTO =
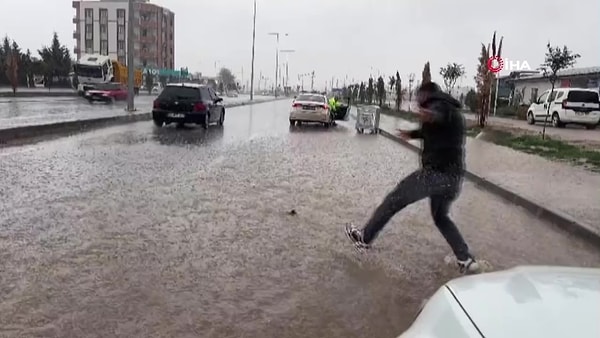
x=188, y=103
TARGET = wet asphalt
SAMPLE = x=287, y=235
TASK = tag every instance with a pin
x=135, y=231
x=24, y=111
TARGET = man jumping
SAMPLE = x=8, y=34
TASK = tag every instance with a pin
x=439, y=178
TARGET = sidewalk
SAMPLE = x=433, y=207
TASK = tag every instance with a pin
x=556, y=186
x=571, y=133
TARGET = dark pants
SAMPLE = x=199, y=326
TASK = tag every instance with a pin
x=442, y=188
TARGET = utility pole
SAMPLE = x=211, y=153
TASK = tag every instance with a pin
x=130, y=58
x=312, y=81
x=277, y=34
x=253, y=43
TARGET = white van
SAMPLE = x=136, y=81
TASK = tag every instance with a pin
x=567, y=106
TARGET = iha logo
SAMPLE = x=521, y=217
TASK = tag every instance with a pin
x=496, y=64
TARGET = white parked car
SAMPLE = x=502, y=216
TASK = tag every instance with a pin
x=310, y=108
x=526, y=301
x=567, y=105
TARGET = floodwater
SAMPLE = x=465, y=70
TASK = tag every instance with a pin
x=134, y=231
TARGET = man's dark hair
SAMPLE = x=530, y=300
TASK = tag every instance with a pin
x=429, y=87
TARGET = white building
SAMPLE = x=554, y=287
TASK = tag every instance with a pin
x=526, y=88
x=101, y=28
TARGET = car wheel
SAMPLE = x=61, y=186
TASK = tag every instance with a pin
x=206, y=121
x=298, y=123
x=590, y=126
x=556, y=121
x=530, y=119
x=222, y=119
x=292, y=123
x=326, y=124
x=158, y=123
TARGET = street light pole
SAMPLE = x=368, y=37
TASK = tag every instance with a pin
x=411, y=79
x=277, y=34
x=253, y=43
x=130, y=58
x=287, y=51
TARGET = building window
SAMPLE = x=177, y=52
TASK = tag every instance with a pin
x=89, y=15
x=534, y=95
x=104, y=47
x=121, y=32
x=89, y=46
x=89, y=32
x=121, y=16
x=120, y=45
x=103, y=16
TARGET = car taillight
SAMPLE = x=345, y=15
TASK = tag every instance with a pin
x=325, y=107
x=564, y=104
x=156, y=104
x=296, y=105
x=199, y=107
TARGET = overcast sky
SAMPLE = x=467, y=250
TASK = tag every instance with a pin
x=339, y=38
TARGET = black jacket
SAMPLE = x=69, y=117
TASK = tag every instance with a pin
x=443, y=136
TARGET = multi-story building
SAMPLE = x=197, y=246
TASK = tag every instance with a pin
x=101, y=28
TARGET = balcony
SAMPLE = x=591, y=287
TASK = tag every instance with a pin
x=76, y=35
x=75, y=4
x=76, y=19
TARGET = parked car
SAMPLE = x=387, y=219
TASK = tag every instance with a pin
x=106, y=93
x=567, y=106
x=310, y=108
x=188, y=103
x=526, y=301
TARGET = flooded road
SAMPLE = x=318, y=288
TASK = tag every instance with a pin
x=134, y=231
x=25, y=111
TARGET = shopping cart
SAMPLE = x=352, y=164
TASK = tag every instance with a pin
x=367, y=118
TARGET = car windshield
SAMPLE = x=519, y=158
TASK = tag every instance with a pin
x=311, y=98
x=582, y=96
x=179, y=92
x=88, y=71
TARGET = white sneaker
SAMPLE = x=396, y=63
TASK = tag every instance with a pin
x=469, y=266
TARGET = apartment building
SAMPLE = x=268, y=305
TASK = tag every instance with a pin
x=101, y=28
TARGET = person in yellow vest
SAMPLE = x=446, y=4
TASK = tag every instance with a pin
x=334, y=104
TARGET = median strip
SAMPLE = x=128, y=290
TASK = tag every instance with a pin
x=36, y=133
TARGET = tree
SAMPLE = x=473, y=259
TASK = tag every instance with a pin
x=461, y=98
x=57, y=60
x=484, y=79
x=399, y=91
x=12, y=70
x=370, y=91
x=362, y=93
x=471, y=100
x=426, y=76
x=451, y=73
x=355, y=92
x=227, y=78
x=149, y=82
x=556, y=59
x=392, y=82
x=381, y=91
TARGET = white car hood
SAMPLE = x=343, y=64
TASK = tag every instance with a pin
x=532, y=301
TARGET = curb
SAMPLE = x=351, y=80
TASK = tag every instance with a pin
x=558, y=218
x=38, y=94
x=20, y=135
